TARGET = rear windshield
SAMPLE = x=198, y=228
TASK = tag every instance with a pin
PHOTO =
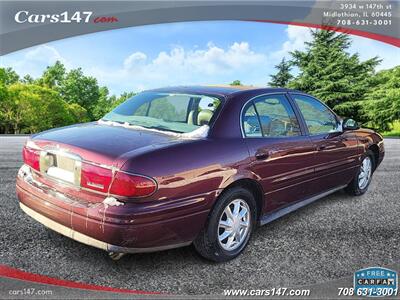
x=181, y=113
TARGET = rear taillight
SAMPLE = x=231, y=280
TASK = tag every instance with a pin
x=31, y=157
x=127, y=185
x=130, y=185
x=95, y=177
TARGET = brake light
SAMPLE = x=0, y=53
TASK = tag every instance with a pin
x=130, y=185
x=31, y=157
x=127, y=185
x=95, y=177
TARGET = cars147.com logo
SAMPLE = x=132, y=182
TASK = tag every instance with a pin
x=375, y=282
x=25, y=16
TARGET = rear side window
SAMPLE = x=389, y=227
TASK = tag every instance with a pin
x=270, y=116
x=319, y=119
x=251, y=124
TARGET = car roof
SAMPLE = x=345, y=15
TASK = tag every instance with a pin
x=220, y=90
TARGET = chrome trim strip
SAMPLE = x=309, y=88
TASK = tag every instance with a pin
x=267, y=218
x=87, y=240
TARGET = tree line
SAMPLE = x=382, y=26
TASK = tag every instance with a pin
x=57, y=98
x=325, y=69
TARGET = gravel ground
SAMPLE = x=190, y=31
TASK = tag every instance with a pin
x=324, y=241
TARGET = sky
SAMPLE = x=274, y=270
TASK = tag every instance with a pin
x=207, y=52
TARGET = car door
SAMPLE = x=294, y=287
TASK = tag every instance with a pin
x=336, y=152
x=280, y=152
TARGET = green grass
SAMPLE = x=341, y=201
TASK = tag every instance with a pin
x=395, y=132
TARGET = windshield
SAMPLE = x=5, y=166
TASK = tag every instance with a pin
x=181, y=113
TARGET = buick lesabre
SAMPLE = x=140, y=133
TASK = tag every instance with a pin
x=192, y=165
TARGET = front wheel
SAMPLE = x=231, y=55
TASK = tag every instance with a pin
x=229, y=226
x=360, y=183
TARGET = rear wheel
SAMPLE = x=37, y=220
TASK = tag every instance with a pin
x=229, y=227
x=360, y=183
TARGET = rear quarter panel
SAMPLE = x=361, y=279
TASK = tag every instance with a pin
x=193, y=168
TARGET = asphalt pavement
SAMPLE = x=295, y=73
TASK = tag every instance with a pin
x=327, y=240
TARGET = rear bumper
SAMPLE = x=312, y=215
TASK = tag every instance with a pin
x=130, y=228
x=87, y=240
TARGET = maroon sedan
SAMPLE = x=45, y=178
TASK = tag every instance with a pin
x=202, y=165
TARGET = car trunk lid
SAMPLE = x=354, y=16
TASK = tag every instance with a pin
x=101, y=143
x=68, y=156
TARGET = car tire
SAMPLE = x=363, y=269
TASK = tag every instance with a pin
x=210, y=243
x=358, y=186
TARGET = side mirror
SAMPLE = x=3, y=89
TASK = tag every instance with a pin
x=350, y=124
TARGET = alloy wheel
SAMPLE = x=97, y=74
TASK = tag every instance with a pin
x=234, y=225
x=365, y=173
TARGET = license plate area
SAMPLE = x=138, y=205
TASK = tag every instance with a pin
x=61, y=166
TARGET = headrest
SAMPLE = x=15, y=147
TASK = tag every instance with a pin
x=204, y=117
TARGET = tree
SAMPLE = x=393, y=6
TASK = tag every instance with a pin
x=8, y=76
x=122, y=98
x=53, y=76
x=33, y=108
x=77, y=114
x=235, y=82
x=382, y=105
x=3, y=101
x=330, y=73
x=57, y=98
x=103, y=105
x=80, y=89
x=283, y=76
x=28, y=79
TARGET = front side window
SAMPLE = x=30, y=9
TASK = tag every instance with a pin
x=319, y=119
x=166, y=111
x=274, y=114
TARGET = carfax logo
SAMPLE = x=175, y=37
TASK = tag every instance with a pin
x=375, y=282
